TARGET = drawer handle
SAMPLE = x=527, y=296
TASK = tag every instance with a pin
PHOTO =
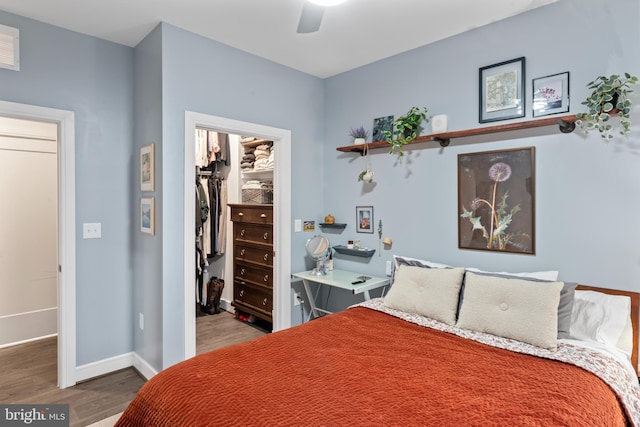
x=242, y=232
x=266, y=236
x=266, y=257
x=242, y=252
x=242, y=272
x=264, y=301
x=263, y=215
x=242, y=292
x=266, y=277
x=240, y=214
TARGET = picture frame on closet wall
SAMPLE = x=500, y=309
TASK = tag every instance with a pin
x=147, y=215
x=147, y=168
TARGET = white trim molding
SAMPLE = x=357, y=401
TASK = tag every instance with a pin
x=66, y=229
x=281, y=214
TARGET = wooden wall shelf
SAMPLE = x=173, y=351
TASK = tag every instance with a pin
x=566, y=124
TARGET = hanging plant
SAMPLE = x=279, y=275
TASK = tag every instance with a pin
x=366, y=174
x=405, y=129
x=610, y=96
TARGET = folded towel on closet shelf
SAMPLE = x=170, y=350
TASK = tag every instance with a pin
x=249, y=157
x=248, y=138
x=259, y=153
x=261, y=164
x=249, y=150
x=252, y=185
x=263, y=147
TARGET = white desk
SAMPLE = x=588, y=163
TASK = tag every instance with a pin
x=338, y=279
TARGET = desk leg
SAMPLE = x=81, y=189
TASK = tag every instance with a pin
x=367, y=296
x=312, y=301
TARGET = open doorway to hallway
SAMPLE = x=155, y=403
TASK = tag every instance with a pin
x=28, y=230
x=66, y=245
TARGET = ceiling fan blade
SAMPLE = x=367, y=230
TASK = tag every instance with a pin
x=311, y=18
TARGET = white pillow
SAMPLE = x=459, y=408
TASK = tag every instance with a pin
x=512, y=308
x=403, y=260
x=431, y=292
x=599, y=317
x=551, y=276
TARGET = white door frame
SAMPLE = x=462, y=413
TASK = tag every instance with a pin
x=281, y=215
x=66, y=229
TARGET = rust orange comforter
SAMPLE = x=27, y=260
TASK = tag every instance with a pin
x=362, y=367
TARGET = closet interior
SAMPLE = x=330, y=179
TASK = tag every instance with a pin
x=234, y=224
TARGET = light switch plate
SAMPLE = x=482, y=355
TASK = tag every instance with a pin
x=297, y=225
x=91, y=230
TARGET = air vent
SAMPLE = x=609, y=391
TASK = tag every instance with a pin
x=9, y=48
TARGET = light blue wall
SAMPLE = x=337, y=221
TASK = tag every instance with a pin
x=93, y=78
x=147, y=254
x=205, y=76
x=587, y=190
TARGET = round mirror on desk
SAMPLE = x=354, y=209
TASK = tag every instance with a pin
x=318, y=249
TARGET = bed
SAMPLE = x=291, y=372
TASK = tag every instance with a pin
x=382, y=363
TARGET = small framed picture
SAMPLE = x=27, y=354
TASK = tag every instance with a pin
x=147, y=215
x=147, y=161
x=380, y=124
x=551, y=94
x=502, y=91
x=364, y=219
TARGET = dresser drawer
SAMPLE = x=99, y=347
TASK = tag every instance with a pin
x=254, y=274
x=254, y=297
x=253, y=233
x=254, y=254
x=257, y=214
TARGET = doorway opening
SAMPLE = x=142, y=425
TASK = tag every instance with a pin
x=281, y=213
x=66, y=317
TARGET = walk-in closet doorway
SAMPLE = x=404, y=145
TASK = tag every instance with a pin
x=281, y=211
x=66, y=246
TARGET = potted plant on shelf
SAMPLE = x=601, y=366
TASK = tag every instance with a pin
x=405, y=129
x=610, y=96
x=359, y=135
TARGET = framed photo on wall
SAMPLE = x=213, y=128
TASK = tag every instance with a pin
x=147, y=166
x=380, y=124
x=147, y=215
x=496, y=200
x=551, y=94
x=364, y=219
x=502, y=91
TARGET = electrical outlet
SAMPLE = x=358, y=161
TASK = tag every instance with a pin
x=296, y=298
x=141, y=322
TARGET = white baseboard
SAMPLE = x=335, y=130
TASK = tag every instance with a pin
x=226, y=306
x=29, y=326
x=112, y=364
x=102, y=367
x=143, y=367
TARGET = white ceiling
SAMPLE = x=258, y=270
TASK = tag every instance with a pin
x=352, y=34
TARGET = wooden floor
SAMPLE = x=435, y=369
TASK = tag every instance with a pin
x=28, y=372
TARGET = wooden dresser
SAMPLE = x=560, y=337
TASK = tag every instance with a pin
x=253, y=259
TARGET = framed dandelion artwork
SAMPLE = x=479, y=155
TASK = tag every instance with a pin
x=496, y=200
